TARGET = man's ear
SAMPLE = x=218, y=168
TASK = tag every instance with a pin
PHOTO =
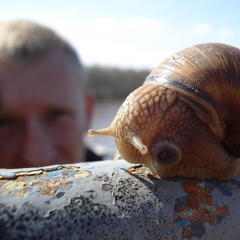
x=90, y=104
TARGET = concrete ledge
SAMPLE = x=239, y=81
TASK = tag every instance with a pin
x=114, y=200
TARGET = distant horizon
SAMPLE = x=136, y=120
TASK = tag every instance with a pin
x=125, y=68
x=131, y=34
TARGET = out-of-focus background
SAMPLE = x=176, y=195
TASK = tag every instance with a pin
x=120, y=42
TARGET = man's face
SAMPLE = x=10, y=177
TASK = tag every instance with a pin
x=43, y=113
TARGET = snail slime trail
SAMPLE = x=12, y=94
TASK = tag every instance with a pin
x=184, y=121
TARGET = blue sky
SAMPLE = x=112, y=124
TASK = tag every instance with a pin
x=131, y=33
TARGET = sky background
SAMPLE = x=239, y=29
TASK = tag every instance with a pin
x=131, y=33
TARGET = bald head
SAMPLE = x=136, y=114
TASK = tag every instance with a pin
x=23, y=41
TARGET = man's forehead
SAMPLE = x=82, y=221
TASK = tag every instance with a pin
x=51, y=59
x=53, y=78
x=54, y=66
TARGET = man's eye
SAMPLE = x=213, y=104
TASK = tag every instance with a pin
x=58, y=115
x=5, y=121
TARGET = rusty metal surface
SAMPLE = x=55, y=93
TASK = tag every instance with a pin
x=114, y=200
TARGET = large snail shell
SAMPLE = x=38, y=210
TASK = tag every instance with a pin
x=209, y=74
x=185, y=119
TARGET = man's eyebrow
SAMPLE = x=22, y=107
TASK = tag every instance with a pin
x=6, y=113
x=68, y=109
x=57, y=106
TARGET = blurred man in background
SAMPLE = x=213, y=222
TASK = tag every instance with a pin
x=44, y=106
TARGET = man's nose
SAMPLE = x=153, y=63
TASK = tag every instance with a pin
x=37, y=148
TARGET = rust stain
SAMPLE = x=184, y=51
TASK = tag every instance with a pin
x=18, y=188
x=50, y=187
x=49, y=181
x=196, y=208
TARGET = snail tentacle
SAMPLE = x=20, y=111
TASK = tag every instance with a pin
x=101, y=132
x=117, y=155
x=137, y=143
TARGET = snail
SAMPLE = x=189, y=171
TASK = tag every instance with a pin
x=184, y=121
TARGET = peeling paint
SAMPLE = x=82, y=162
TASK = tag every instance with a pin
x=10, y=174
x=49, y=181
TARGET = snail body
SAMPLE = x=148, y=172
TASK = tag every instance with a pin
x=184, y=121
